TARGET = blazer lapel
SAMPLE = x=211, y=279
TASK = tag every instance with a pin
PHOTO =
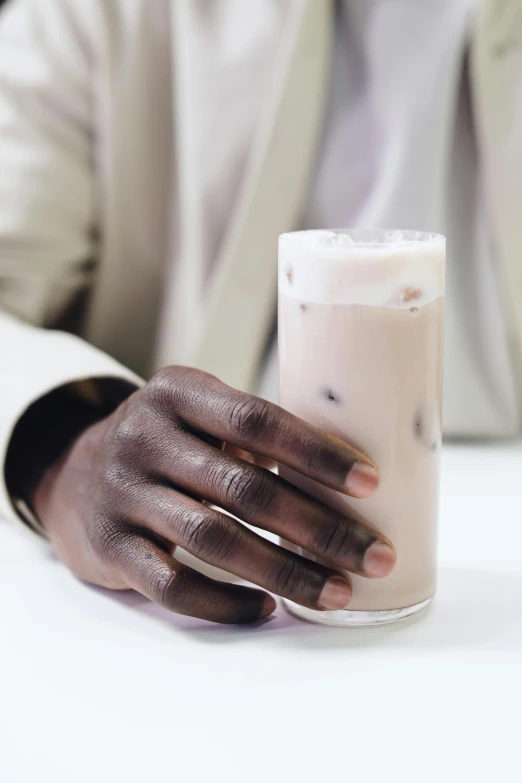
x=238, y=314
x=497, y=70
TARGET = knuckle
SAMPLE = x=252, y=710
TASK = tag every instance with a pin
x=246, y=487
x=287, y=579
x=130, y=436
x=172, y=386
x=135, y=441
x=249, y=418
x=166, y=588
x=175, y=591
x=207, y=536
x=109, y=538
x=162, y=387
x=331, y=538
x=316, y=456
x=322, y=457
x=120, y=481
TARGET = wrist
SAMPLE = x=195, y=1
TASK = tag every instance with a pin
x=48, y=428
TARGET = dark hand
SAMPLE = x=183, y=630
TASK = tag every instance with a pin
x=129, y=490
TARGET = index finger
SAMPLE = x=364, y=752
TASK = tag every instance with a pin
x=206, y=404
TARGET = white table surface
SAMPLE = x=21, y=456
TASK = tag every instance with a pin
x=103, y=687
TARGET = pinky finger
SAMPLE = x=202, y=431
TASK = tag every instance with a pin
x=158, y=576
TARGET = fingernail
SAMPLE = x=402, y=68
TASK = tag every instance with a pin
x=379, y=560
x=362, y=480
x=269, y=606
x=336, y=593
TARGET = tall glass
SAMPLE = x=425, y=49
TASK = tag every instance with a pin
x=360, y=356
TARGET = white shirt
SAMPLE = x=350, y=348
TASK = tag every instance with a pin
x=399, y=151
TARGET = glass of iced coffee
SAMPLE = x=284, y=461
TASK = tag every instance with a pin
x=360, y=356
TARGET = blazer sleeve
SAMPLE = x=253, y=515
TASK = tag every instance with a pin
x=35, y=361
x=47, y=215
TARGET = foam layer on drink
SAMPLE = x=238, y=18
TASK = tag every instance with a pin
x=395, y=269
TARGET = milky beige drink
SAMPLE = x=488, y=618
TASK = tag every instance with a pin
x=360, y=355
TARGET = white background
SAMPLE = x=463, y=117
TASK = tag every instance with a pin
x=100, y=687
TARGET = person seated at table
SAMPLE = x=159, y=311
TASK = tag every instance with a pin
x=151, y=152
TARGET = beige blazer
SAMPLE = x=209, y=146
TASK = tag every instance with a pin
x=150, y=154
